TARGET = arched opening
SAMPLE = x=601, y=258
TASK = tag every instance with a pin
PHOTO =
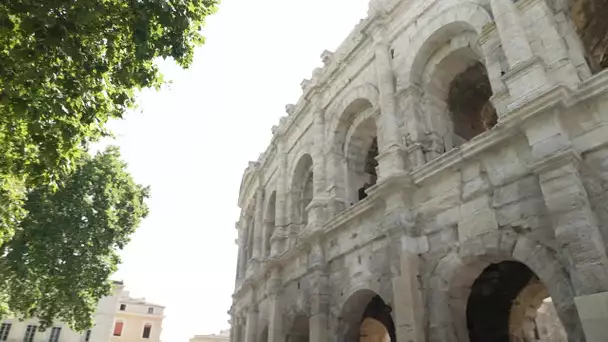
x=469, y=104
x=366, y=318
x=299, y=330
x=302, y=190
x=508, y=303
x=589, y=19
x=269, y=222
x=355, y=149
x=361, y=151
x=457, y=93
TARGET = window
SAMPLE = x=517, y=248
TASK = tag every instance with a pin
x=123, y=307
x=30, y=332
x=150, y=310
x=147, y=331
x=55, y=332
x=87, y=336
x=118, y=328
x=5, y=329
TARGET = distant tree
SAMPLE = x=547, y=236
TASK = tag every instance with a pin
x=66, y=68
x=58, y=262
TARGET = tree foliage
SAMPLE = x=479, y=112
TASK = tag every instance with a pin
x=59, y=260
x=67, y=67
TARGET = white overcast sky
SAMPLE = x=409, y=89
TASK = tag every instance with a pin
x=191, y=142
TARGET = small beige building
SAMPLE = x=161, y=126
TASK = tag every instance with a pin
x=13, y=330
x=223, y=336
x=137, y=320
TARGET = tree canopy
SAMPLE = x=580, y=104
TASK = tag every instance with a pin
x=67, y=68
x=58, y=262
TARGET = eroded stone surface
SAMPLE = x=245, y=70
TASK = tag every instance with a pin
x=391, y=189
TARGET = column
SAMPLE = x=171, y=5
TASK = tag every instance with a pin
x=574, y=222
x=408, y=305
x=319, y=306
x=237, y=332
x=276, y=332
x=515, y=43
x=258, y=224
x=526, y=72
x=278, y=239
x=242, y=241
x=390, y=158
x=410, y=99
x=316, y=209
x=252, y=320
x=556, y=51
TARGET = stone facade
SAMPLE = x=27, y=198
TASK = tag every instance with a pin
x=441, y=176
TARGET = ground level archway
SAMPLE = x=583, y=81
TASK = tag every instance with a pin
x=366, y=317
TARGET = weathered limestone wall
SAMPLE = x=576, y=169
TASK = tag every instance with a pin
x=448, y=208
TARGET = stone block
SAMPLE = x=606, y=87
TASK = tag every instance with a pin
x=482, y=221
x=474, y=188
x=516, y=191
x=528, y=213
x=593, y=312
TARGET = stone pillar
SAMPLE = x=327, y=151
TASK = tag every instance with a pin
x=319, y=306
x=252, y=320
x=561, y=68
x=390, y=158
x=526, y=72
x=574, y=221
x=408, y=305
x=258, y=225
x=276, y=332
x=410, y=98
x=242, y=242
x=578, y=236
x=279, y=236
x=236, y=335
x=515, y=43
x=316, y=208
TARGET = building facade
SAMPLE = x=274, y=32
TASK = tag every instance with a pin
x=137, y=320
x=14, y=330
x=443, y=175
x=223, y=336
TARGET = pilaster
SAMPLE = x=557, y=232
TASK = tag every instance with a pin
x=252, y=320
x=410, y=98
x=574, y=221
x=526, y=74
x=258, y=232
x=316, y=209
x=276, y=332
x=277, y=240
x=391, y=154
x=319, y=307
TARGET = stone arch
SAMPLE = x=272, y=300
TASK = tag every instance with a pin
x=449, y=23
x=361, y=306
x=301, y=190
x=361, y=151
x=344, y=111
x=269, y=221
x=451, y=282
x=449, y=66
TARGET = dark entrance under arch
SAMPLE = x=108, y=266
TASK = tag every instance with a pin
x=367, y=318
x=508, y=303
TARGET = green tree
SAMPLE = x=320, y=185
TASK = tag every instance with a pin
x=67, y=67
x=58, y=263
